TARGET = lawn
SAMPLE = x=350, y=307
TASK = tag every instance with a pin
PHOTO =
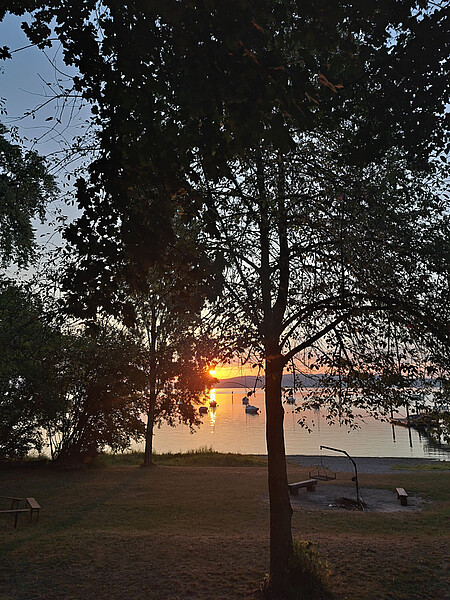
x=201, y=532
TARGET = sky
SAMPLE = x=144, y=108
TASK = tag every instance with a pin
x=27, y=81
x=229, y=371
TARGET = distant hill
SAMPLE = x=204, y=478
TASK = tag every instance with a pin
x=248, y=381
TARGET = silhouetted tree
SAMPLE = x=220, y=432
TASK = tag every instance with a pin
x=63, y=386
x=179, y=354
x=102, y=378
x=29, y=356
x=274, y=122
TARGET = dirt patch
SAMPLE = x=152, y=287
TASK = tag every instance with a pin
x=329, y=497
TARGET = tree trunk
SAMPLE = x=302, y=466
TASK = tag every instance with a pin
x=148, y=454
x=281, y=546
x=151, y=339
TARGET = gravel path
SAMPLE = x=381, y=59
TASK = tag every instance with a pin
x=364, y=464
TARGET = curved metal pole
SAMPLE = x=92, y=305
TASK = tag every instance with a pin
x=358, y=502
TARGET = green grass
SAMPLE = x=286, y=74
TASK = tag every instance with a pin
x=202, y=457
x=438, y=466
x=202, y=533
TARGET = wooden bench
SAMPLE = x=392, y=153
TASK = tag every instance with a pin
x=34, y=508
x=309, y=484
x=402, y=496
x=15, y=512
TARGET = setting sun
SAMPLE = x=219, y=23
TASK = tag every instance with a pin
x=212, y=372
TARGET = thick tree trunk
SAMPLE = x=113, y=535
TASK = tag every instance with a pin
x=281, y=546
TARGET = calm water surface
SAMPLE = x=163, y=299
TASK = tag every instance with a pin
x=227, y=428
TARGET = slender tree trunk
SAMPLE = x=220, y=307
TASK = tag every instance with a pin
x=148, y=454
x=151, y=339
x=281, y=546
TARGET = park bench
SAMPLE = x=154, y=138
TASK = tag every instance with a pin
x=402, y=496
x=309, y=484
x=34, y=508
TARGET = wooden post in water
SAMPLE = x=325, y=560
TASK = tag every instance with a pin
x=392, y=424
x=409, y=425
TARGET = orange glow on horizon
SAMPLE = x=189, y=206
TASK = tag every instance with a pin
x=229, y=371
x=233, y=370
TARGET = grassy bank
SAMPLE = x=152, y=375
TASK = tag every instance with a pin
x=202, y=457
x=201, y=532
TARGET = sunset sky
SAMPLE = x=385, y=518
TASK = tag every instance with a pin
x=227, y=371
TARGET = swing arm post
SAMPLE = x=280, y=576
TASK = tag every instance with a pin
x=354, y=466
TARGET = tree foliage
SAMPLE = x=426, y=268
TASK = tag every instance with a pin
x=101, y=381
x=61, y=387
x=26, y=187
x=179, y=352
x=211, y=81
x=29, y=345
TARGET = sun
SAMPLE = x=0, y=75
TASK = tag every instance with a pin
x=212, y=372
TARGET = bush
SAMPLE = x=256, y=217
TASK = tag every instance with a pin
x=307, y=579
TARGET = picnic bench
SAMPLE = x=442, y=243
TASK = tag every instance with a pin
x=15, y=512
x=309, y=484
x=31, y=507
x=402, y=496
x=34, y=508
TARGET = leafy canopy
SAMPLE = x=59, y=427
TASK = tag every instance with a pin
x=177, y=83
x=26, y=187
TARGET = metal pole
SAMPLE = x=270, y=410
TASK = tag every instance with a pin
x=358, y=502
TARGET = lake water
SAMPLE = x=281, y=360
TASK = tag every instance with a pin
x=228, y=428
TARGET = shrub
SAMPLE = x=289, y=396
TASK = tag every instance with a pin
x=307, y=578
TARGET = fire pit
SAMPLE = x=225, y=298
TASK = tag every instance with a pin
x=348, y=503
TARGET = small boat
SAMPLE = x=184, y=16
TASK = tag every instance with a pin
x=203, y=410
x=245, y=400
x=253, y=410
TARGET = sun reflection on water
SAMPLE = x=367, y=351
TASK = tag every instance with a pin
x=212, y=410
x=212, y=418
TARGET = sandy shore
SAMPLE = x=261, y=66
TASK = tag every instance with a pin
x=364, y=464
